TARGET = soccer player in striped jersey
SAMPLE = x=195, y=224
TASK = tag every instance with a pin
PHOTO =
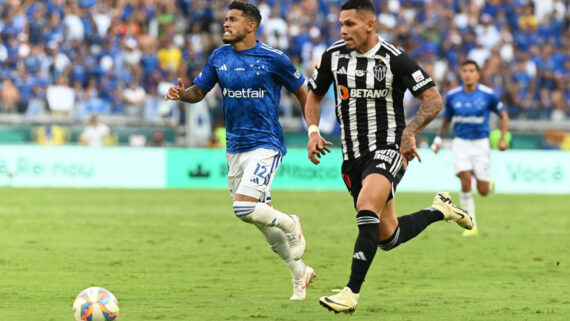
x=470, y=106
x=370, y=77
x=251, y=75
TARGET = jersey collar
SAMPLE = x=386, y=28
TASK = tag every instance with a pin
x=258, y=43
x=370, y=52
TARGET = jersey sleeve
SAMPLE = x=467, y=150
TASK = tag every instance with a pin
x=413, y=76
x=496, y=105
x=322, y=77
x=208, y=78
x=288, y=75
x=447, y=108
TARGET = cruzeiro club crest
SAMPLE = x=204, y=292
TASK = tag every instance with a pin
x=380, y=71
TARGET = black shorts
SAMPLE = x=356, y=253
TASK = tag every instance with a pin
x=386, y=161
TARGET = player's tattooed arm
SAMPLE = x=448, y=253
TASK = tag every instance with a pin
x=192, y=94
x=430, y=107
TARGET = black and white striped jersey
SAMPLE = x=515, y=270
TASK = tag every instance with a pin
x=369, y=92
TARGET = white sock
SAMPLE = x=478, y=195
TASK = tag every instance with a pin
x=261, y=213
x=278, y=242
x=468, y=204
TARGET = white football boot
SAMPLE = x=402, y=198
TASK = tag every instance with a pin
x=300, y=285
x=451, y=212
x=344, y=301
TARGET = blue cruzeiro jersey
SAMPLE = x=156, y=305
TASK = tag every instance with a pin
x=251, y=82
x=470, y=112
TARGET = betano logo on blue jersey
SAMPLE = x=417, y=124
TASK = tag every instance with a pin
x=244, y=93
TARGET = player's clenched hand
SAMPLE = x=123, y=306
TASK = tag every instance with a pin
x=436, y=145
x=408, y=149
x=317, y=146
x=502, y=145
x=176, y=92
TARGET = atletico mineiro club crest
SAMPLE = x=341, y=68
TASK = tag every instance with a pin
x=380, y=71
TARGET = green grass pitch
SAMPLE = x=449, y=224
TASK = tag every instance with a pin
x=182, y=255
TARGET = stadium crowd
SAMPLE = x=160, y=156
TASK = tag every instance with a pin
x=118, y=57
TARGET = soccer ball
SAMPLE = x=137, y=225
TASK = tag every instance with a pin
x=95, y=304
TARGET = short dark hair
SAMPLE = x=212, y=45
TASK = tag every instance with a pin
x=470, y=62
x=248, y=9
x=358, y=5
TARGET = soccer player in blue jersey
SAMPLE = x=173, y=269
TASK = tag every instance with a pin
x=469, y=107
x=250, y=75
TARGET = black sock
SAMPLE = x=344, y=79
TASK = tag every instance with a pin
x=365, y=248
x=409, y=227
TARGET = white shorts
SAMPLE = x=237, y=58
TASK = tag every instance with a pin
x=252, y=173
x=472, y=155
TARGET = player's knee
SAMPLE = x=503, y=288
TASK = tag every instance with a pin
x=484, y=191
x=484, y=188
x=465, y=183
x=465, y=187
x=244, y=210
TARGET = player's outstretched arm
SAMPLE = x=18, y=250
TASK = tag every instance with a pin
x=431, y=105
x=443, y=129
x=317, y=145
x=504, y=127
x=192, y=94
